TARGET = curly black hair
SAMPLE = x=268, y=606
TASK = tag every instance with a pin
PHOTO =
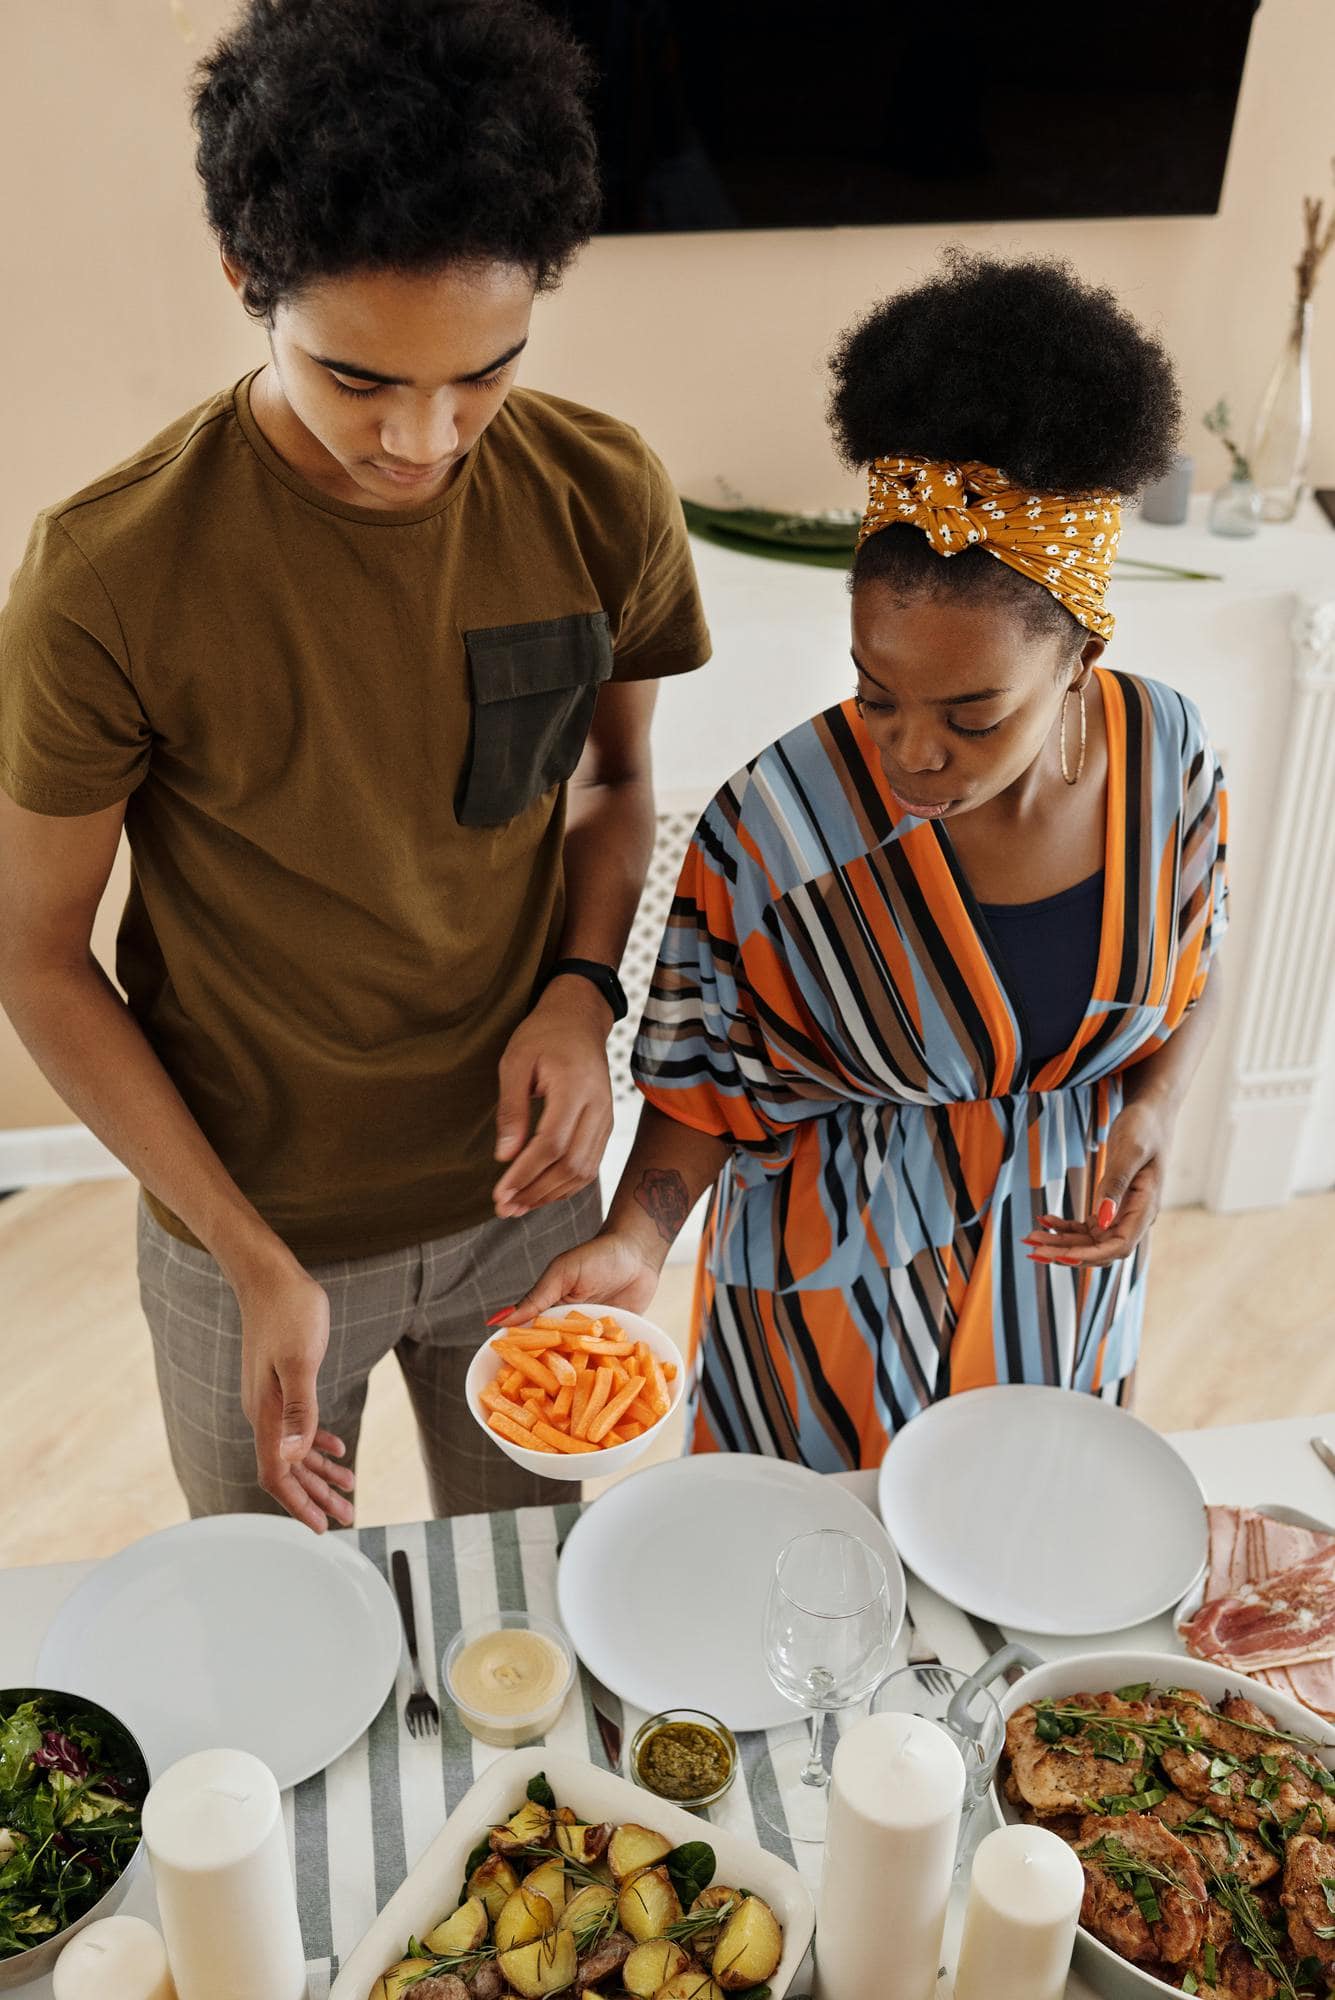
x=341, y=135
x=1021, y=365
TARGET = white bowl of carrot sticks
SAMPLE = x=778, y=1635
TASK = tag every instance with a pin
x=578, y=1393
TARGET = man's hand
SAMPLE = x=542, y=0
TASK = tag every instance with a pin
x=284, y=1334
x=559, y=1054
x=1125, y=1202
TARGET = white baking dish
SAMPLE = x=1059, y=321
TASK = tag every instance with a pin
x=431, y=1890
x=1097, y=1673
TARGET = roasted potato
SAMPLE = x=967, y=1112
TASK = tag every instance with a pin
x=526, y=1916
x=392, y=1985
x=690, y=1985
x=652, y=1965
x=585, y=1844
x=493, y=1883
x=585, y=1907
x=531, y=1826
x=545, y=1966
x=549, y=1880
x=648, y=1903
x=464, y=1931
x=749, y=1946
x=634, y=1847
x=713, y=1898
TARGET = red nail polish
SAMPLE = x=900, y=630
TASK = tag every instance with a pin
x=504, y=1313
x=1107, y=1214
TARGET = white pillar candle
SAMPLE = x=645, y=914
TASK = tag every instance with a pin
x=1024, y=1903
x=213, y=1826
x=895, y=1795
x=120, y=1958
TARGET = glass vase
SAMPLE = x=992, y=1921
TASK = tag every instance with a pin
x=1236, y=508
x=1282, y=434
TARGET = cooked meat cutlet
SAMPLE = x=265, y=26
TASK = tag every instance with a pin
x=1309, y=1865
x=1236, y=1975
x=1245, y=1855
x=1062, y=1777
x=1110, y=1910
x=1295, y=1792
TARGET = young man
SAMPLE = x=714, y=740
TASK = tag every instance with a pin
x=331, y=648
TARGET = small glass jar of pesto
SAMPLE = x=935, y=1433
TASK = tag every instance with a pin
x=684, y=1755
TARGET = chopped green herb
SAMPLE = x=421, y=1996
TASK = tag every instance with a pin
x=1190, y=1984
x=1137, y=1691
x=1210, y=1963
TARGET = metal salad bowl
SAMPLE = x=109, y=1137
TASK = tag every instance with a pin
x=124, y=1753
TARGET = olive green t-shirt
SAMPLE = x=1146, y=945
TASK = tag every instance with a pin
x=343, y=737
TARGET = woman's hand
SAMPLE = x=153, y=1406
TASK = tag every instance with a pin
x=612, y=1268
x=1126, y=1200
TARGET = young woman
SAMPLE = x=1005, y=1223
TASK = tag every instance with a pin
x=338, y=649
x=935, y=979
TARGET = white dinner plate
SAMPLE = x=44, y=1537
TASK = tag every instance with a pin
x=243, y=1631
x=662, y=1581
x=1044, y=1509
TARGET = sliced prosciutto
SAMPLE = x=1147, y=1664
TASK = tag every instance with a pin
x=1269, y=1602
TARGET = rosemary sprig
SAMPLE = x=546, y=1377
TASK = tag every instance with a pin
x=688, y=1927
x=1254, y=1933
x=464, y=1963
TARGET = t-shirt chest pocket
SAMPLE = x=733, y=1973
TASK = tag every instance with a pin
x=534, y=690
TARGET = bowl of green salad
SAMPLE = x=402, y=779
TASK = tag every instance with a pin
x=72, y=1783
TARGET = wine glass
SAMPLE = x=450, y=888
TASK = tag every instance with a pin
x=828, y=1634
x=968, y=1712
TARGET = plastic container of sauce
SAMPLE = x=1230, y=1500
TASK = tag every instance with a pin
x=508, y=1676
x=684, y=1755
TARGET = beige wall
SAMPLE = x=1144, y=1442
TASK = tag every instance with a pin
x=116, y=318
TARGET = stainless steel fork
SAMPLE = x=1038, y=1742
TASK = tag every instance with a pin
x=421, y=1715
x=926, y=1664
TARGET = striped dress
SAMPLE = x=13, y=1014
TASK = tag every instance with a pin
x=828, y=998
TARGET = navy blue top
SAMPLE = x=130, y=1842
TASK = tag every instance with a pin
x=1049, y=954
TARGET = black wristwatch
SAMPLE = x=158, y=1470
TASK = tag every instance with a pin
x=602, y=976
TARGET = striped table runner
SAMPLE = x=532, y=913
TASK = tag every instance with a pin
x=359, y=1826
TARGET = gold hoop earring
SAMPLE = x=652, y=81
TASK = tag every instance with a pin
x=1080, y=761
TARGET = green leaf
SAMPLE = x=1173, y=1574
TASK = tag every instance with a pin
x=1190, y=1983
x=1327, y=1888
x=20, y=1739
x=540, y=1793
x=1134, y=1691
x=692, y=1867
x=1210, y=1964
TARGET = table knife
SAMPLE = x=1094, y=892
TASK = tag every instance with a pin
x=610, y=1717
x=1325, y=1452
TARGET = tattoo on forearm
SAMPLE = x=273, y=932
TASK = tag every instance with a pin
x=663, y=1197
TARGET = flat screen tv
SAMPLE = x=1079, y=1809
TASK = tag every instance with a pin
x=791, y=114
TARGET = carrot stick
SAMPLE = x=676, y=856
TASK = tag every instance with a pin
x=562, y=1403
x=559, y=1441
x=563, y=1369
x=515, y=1433
x=613, y=1411
x=529, y=1365
x=580, y=1404
x=510, y=1382
x=493, y=1400
x=589, y=1343
x=532, y=1343
x=602, y=1388
x=659, y=1400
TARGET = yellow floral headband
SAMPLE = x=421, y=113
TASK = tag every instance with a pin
x=1066, y=545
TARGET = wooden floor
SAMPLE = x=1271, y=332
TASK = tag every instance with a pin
x=1241, y=1325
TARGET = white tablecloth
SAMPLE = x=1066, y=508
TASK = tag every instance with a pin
x=1248, y=1464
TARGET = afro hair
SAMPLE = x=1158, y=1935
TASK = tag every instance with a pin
x=341, y=135
x=1022, y=366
